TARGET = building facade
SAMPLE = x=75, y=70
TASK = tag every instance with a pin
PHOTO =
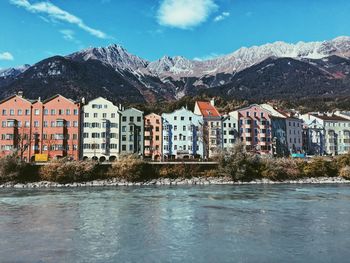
x=255, y=129
x=34, y=127
x=132, y=132
x=100, y=130
x=182, y=135
x=212, y=128
x=61, y=127
x=153, y=137
x=335, y=132
x=230, y=132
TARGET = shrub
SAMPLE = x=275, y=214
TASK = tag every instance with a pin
x=319, y=167
x=343, y=160
x=131, y=168
x=211, y=173
x=345, y=172
x=238, y=163
x=63, y=171
x=179, y=170
x=281, y=169
x=13, y=169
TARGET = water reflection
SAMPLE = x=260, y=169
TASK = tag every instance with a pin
x=176, y=224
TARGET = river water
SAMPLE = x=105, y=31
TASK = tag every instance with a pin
x=252, y=223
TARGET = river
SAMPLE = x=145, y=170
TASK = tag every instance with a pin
x=246, y=223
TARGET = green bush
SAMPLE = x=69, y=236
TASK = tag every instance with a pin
x=63, y=171
x=281, y=169
x=239, y=164
x=13, y=169
x=319, y=167
x=131, y=168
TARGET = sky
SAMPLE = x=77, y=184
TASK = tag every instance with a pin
x=32, y=30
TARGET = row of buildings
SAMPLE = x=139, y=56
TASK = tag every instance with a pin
x=60, y=127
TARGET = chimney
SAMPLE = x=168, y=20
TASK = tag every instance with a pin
x=20, y=93
x=83, y=100
x=39, y=99
x=212, y=102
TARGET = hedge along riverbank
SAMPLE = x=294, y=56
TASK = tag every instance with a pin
x=237, y=165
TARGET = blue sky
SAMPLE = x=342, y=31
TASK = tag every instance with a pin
x=32, y=30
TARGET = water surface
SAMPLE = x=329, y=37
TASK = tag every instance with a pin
x=252, y=223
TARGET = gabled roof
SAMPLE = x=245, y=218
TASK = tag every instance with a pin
x=59, y=95
x=14, y=96
x=207, y=109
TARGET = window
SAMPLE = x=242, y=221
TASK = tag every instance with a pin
x=124, y=118
x=19, y=112
x=113, y=115
x=12, y=112
x=4, y=113
x=175, y=127
x=75, y=111
x=75, y=136
x=182, y=118
x=75, y=124
x=46, y=112
x=36, y=124
x=67, y=111
x=95, y=115
x=60, y=112
x=26, y=124
x=86, y=114
x=131, y=118
x=138, y=119
x=53, y=112
x=85, y=135
x=104, y=115
x=27, y=112
x=59, y=123
x=184, y=128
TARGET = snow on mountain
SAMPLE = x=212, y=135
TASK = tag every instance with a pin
x=114, y=55
x=177, y=67
x=246, y=57
x=13, y=72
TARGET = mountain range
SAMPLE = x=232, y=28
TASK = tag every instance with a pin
x=272, y=71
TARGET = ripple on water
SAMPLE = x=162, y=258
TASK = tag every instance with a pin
x=250, y=223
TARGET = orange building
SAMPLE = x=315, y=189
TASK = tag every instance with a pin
x=35, y=127
x=153, y=136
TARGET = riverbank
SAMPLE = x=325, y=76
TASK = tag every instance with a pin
x=174, y=182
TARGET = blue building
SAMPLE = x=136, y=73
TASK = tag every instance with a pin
x=182, y=135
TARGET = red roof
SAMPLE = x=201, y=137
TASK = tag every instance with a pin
x=207, y=110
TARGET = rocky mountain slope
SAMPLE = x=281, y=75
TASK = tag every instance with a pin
x=277, y=70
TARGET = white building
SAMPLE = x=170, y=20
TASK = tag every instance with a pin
x=182, y=135
x=230, y=132
x=100, y=130
x=132, y=132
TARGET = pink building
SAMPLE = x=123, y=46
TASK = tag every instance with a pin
x=255, y=129
x=153, y=136
x=61, y=124
x=16, y=129
x=35, y=127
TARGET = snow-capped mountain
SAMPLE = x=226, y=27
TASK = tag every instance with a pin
x=13, y=72
x=113, y=55
x=277, y=70
x=247, y=57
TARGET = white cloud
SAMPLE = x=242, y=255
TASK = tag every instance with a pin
x=208, y=57
x=6, y=56
x=69, y=35
x=222, y=16
x=184, y=14
x=56, y=13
